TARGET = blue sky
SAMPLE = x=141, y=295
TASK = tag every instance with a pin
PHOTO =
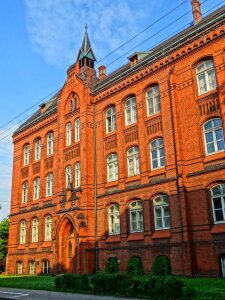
x=39, y=39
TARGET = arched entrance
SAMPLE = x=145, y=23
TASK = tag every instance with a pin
x=67, y=247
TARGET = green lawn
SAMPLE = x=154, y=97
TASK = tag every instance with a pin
x=207, y=288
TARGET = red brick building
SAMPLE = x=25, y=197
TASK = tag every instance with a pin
x=125, y=164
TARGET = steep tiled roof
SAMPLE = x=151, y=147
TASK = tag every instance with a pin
x=50, y=108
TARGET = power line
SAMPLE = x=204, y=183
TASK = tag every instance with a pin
x=123, y=55
x=161, y=18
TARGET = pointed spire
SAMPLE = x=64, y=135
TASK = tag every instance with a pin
x=86, y=49
x=196, y=11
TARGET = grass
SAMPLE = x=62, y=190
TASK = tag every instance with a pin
x=207, y=288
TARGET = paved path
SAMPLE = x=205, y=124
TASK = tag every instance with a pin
x=21, y=294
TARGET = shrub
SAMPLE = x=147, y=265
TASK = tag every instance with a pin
x=168, y=287
x=107, y=283
x=112, y=265
x=161, y=266
x=135, y=267
x=73, y=281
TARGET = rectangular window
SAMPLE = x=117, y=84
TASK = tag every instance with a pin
x=77, y=130
x=45, y=267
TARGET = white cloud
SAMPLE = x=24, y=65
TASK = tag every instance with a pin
x=56, y=27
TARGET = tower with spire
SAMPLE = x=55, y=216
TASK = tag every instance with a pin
x=86, y=57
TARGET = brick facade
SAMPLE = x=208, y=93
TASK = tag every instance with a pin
x=194, y=242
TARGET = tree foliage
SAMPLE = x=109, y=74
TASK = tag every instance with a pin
x=4, y=232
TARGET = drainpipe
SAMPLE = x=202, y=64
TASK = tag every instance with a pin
x=95, y=192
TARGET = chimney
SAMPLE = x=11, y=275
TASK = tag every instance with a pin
x=102, y=72
x=196, y=11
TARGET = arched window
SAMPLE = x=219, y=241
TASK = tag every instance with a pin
x=50, y=143
x=26, y=155
x=111, y=119
x=23, y=232
x=213, y=136
x=25, y=192
x=153, y=100
x=77, y=130
x=36, y=188
x=157, y=154
x=77, y=175
x=114, y=219
x=68, y=134
x=206, y=77
x=218, y=203
x=112, y=167
x=19, y=267
x=136, y=216
x=130, y=111
x=70, y=249
x=46, y=267
x=71, y=104
x=49, y=184
x=133, y=161
x=48, y=228
x=68, y=175
x=32, y=267
x=34, y=230
x=161, y=212
x=38, y=149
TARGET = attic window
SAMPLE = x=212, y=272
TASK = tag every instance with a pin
x=133, y=59
x=43, y=108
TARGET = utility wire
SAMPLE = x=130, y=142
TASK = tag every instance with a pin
x=120, y=57
x=161, y=18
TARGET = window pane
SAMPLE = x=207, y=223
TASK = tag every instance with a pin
x=217, y=203
x=209, y=137
x=208, y=125
x=167, y=222
x=210, y=148
x=155, y=164
x=220, y=145
x=219, y=215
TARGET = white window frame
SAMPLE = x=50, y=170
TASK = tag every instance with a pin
x=34, y=230
x=130, y=111
x=23, y=232
x=208, y=81
x=49, y=184
x=68, y=175
x=153, y=96
x=77, y=174
x=19, y=268
x=213, y=130
x=50, y=143
x=159, y=146
x=161, y=203
x=114, y=219
x=112, y=167
x=136, y=208
x=25, y=192
x=45, y=268
x=133, y=163
x=68, y=134
x=32, y=267
x=48, y=228
x=36, y=195
x=77, y=130
x=220, y=196
x=111, y=120
x=38, y=149
x=26, y=157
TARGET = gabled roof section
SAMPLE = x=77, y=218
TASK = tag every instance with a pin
x=86, y=49
x=50, y=108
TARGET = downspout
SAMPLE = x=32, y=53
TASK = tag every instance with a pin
x=95, y=192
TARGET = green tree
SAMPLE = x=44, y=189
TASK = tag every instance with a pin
x=4, y=232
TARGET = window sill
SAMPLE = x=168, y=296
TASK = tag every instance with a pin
x=111, y=183
x=209, y=93
x=152, y=117
x=214, y=156
x=21, y=247
x=33, y=245
x=113, y=238
x=46, y=244
x=155, y=172
x=161, y=234
x=136, y=236
x=218, y=228
x=133, y=178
